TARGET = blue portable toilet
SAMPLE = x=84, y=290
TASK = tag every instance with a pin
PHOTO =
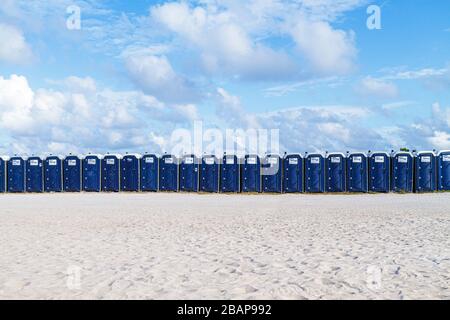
x=72, y=173
x=379, y=172
x=34, y=174
x=16, y=174
x=251, y=173
x=111, y=172
x=92, y=173
x=402, y=172
x=209, y=174
x=3, y=161
x=230, y=174
x=53, y=174
x=292, y=173
x=271, y=171
x=149, y=172
x=168, y=173
x=335, y=172
x=315, y=173
x=357, y=177
x=189, y=167
x=443, y=160
x=130, y=172
x=425, y=171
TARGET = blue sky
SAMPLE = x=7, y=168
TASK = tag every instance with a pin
x=137, y=70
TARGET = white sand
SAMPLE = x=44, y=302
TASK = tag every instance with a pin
x=181, y=246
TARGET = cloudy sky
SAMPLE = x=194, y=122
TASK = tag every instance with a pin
x=137, y=70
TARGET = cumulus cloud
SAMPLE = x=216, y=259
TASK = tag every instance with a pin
x=225, y=45
x=230, y=109
x=340, y=127
x=16, y=103
x=329, y=50
x=84, y=118
x=321, y=128
x=13, y=46
x=230, y=37
x=440, y=140
x=77, y=84
x=156, y=76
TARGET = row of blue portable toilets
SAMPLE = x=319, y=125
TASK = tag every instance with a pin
x=334, y=172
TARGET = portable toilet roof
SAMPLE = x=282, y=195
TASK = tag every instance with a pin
x=287, y=154
x=137, y=155
x=349, y=153
x=336, y=154
x=442, y=151
x=426, y=152
x=117, y=155
x=402, y=152
x=378, y=152
x=91, y=155
x=60, y=157
x=307, y=154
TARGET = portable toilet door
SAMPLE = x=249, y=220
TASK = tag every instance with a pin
x=72, y=174
x=293, y=173
x=16, y=174
x=443, y=159
x=3, y=161
x=149, y=173
x=92, y=173
x=168, y=173
x=315, y=173
x=189, y=167
x=271, y=171
x=335, y=172
x=251, y=174
x=425, y=171
x=130, y=173
x=209, y=174
x=357, y=180
x=379, y=172
x=229, y=174
x=53, y=174
x=402, y=172
x=111, y=173
x=34, y=174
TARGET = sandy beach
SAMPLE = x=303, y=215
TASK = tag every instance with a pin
x=187, y=246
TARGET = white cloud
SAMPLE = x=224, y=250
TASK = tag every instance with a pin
x=186, y=111
x=340, y=127
x=155, y=75
x=16, y=102
x=84, y=118
x=332, y=128
x=230, y=35
x=378, y=88
x=416, y=74
x=13, y=46
x=229, y=108
x=440, y=140
x=397, y=105
x=225, y=45
x=329, y=50
x=77, y=84
x=281, y=90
